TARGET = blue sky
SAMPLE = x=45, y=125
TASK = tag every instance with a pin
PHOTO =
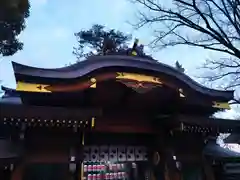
x=48, y=38
x=49, y=35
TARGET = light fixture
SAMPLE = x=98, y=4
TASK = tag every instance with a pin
x=178, y=165
x=11, y=167
x=72, y=167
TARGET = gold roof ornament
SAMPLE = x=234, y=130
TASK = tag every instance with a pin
x=134, y=48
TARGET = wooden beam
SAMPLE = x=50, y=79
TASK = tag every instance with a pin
x=47, y=158
x=126, y=123
x=124, y=129
x=225, y=125
x=47, y=112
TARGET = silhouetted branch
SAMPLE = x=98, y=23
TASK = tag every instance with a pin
x=208, y=24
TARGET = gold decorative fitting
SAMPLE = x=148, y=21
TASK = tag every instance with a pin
x=30, y=87
x=181, y=94
x=221, y=105
x=93, y=122
x=94, y=81
x=134, y=53
x=138, y=77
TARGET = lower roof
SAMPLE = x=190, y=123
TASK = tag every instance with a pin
x=8, y=151
x=233, y=138
x=217, y=152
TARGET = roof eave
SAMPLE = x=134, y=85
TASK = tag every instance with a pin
x=97, y=62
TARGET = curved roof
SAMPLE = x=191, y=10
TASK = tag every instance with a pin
x=94, y=63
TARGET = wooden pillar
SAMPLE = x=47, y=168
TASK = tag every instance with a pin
x=77, y=153
x=171, y=170
x=157, y=157
x=17, y=174
x=81, y=158
x=208, y=170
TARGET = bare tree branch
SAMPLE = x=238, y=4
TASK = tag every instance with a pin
x=209, y=24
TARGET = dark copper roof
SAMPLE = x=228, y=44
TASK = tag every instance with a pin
x=218, y=152
x=129, y=63
x=233, y=138
x=11, y=106
x=8, y=150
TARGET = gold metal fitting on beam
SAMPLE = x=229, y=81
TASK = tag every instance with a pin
x=93, y=122
x=221, y=105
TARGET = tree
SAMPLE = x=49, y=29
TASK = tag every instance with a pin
x=96, y=39
x=12, y=22
x=208, y=24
